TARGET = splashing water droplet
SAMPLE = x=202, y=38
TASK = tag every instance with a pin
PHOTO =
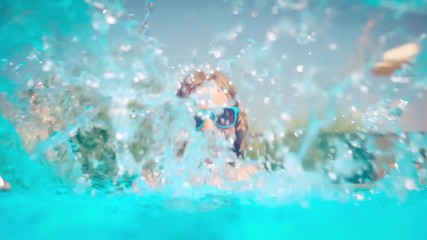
x=304, y=38
x=125, y=47
x=110, y=20
x=236, y=10
x=98, y=5
x=158, y=51
x=271, y=36
x=285, y=116
x=298, y=133
x=216, y=53
x=363, y=88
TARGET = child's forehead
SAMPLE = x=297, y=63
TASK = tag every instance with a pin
x=210, y=95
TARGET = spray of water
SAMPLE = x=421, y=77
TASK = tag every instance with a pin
x=89, y=105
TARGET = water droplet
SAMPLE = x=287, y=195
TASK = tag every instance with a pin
x=236, y=10
x=363, y=88
x=216, y=53
x=333, y=176
x=158, y=51
x=271, y=36
x=304, y=38
x=30, y=83
x=300, y=68
x=109, y=75
x=98, y=5
x=151, y=5
x=266, y=100
x=132, y=115
x=119, y=136
x=333, y=46
x=111, y=20
x=298, y=133
x=125, y=47
x=285, y=116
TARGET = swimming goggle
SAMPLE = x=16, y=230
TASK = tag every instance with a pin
x=223, y=118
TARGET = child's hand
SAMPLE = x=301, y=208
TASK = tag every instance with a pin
x=394, y=59
x=4, y=185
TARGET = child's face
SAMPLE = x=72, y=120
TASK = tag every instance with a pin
x=213, y=99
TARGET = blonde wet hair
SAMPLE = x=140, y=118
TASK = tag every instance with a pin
x=191, y=82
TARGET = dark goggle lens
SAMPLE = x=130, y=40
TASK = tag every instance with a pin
x=199, y=122
x=227, y=118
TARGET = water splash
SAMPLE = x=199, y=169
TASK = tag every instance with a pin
x=95, y=102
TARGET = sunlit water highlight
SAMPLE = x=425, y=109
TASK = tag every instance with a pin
x=88, y=101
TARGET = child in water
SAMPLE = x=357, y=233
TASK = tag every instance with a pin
x=217, y=106
x=216, y=110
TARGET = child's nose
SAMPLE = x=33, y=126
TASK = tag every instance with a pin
x=209, y=124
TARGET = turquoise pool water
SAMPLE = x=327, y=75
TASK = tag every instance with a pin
x=71, y=71
x=214, y=217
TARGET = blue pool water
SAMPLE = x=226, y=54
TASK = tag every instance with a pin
x=303, y=69
x=215, y=217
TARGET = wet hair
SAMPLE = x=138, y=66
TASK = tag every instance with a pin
x=191, y=82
